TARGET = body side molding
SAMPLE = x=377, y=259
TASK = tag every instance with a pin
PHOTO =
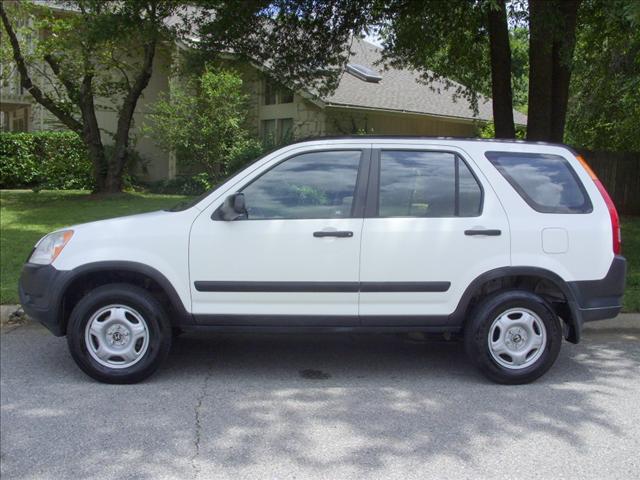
x=346, y=287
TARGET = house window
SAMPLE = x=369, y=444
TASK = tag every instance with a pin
x=269, y=130
x=277, y=130
x=270, y=93
x=275, y=94
x=286, y=96
x=19, y=125
x=285, y=131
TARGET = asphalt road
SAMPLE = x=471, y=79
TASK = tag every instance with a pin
x=330, y=407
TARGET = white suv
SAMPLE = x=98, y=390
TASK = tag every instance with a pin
x=513, y=245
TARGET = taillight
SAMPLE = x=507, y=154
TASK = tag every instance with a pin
x=613, y=213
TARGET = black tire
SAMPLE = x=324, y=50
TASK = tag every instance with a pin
x=479, y=323
x=157, y=323
x=176, y=332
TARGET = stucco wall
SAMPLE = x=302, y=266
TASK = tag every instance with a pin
x=308, y=118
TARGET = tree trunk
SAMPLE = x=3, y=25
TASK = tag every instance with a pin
x=562, y=60
x=552, y=29
x=91, y=133
x=113, y=183
x=500, y=51
x=118, y=161
x=97, y=157
x=540, y=70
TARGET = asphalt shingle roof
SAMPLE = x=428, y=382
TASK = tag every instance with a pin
x=402, y=90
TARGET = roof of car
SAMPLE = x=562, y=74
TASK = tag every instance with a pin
x=369, y=138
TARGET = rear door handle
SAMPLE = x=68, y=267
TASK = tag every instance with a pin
x=335, y=233
x=487, y=232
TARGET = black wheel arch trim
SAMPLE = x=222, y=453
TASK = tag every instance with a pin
x=184, y=317
x=458, y=316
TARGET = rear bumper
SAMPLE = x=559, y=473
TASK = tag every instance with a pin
x=601, y=299
x=39, y=294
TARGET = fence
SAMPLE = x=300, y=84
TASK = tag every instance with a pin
x=620, y=174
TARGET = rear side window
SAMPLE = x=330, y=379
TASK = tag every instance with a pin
x=546, y=182
x=427, y=184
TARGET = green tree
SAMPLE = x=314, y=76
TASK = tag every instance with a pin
x=519, y=41
x=519, y=52
x=482, y=45
x=86, y=52
x=552, y=27
x=304, y=44
x=470, y=42
x=203, y=122
x=604, y=107
x=457, y=40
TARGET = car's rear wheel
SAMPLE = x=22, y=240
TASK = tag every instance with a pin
x=119, y=333
x=513, y=337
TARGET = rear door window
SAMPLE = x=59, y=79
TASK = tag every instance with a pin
x=417, y=183
x=546, y=182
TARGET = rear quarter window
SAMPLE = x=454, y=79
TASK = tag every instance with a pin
x=546, y=182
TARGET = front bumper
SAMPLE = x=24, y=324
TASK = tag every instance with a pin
x=39, y=295
x=601, y=299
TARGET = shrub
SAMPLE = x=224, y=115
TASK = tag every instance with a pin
x=243, y=153
x=51, y=160
x=488, y=130
x=203, y=123
x=182, y=185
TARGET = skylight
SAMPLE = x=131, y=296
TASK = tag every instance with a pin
x=363, y=73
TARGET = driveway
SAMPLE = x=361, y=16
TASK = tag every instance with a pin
x=330, y=407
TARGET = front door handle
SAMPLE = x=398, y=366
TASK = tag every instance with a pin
x=335, y=233
x=486, y=232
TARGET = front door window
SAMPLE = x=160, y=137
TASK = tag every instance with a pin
x=312, y=185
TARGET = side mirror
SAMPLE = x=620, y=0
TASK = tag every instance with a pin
x=232, y=209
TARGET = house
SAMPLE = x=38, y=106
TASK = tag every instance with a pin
x=368, y=99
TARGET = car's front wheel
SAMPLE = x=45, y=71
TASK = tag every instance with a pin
x=119, y=333
x=513, y=337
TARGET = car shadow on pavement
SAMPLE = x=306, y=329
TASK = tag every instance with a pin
x=324, y=401
x=320, y=404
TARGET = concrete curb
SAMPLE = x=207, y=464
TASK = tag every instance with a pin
x=12, y=315
x=624, y=321
x=6, y=311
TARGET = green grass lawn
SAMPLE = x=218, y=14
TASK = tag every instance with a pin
x=26, y=216
x=631, y=250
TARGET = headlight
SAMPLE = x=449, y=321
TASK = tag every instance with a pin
x=49, y=247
